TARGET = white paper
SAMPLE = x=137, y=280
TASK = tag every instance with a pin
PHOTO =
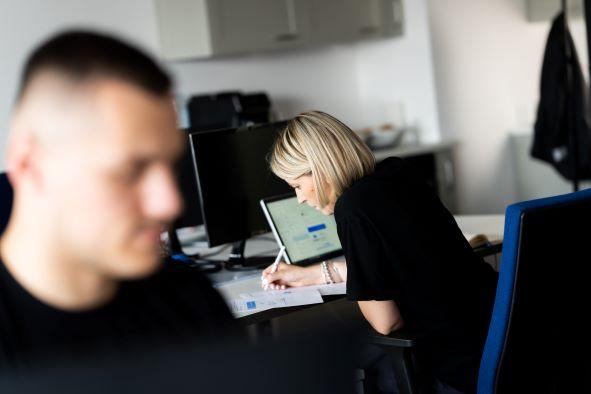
x=284, y=298
x=258, y=301
x=244, y=307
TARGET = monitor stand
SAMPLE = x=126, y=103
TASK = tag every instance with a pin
x=177, y=254
x=237, y=261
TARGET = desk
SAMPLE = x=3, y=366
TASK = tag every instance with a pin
x=490, y=225
x=232, y=283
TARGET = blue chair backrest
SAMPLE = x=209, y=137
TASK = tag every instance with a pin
x=538, y=332
x=5, y=201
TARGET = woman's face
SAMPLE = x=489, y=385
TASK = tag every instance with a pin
x=306, y=193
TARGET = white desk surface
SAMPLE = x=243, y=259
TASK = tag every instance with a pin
x=490, y=225
x=232, y=283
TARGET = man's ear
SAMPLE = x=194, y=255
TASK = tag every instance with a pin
x=22, y=160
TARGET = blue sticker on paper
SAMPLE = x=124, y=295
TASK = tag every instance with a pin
x=318, y=227
x=251, y=304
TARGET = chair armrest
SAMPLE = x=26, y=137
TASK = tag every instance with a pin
x=489, y=248
x=399, y=338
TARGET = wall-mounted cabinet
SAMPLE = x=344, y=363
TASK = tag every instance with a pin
x=351, y=20
x=545, y=10
x=257, y=25
x=207, y=28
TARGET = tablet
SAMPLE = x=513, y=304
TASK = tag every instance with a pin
x=307, y=234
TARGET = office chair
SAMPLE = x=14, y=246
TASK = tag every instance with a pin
x=538, y=341
x=400, y=346
x=5, y=201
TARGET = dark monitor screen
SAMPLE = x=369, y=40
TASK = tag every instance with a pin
x=233, y=175
x=187, y=183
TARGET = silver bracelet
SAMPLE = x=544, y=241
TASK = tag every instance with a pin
x=326, y=273
x=336, y=270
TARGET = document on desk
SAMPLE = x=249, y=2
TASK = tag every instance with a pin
x=254, y=302
x=245, y=307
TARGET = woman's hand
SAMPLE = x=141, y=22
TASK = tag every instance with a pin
x=288, y=275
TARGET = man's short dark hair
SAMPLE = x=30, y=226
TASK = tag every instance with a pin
x=81, y=55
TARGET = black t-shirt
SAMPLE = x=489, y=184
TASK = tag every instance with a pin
x=176, y=305
x=402, y=244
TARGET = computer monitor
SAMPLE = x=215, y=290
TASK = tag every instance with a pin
x=233, y=176
x=213, y=112
x=191, y=214
x=187, y=183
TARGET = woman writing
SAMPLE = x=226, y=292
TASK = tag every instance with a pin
x=407, y=262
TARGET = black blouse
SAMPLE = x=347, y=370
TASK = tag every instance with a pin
x=402, y=244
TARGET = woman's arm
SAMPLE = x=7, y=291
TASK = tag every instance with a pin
x=383, y=316
x=295, y=276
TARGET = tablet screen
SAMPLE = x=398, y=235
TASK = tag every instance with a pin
x=307, y=234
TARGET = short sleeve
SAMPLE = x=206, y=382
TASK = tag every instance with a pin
x=369, y=275
x=201, y=304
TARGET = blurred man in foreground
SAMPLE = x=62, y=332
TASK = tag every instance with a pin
x=90, y=157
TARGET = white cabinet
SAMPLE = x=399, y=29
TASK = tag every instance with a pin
x=545, y=10
x=342, y=20
x=351, y=20
x=205, y=28
x=392, y=14
x=257, y=25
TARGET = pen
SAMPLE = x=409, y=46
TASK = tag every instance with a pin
x=277, y=259
x=274, y=266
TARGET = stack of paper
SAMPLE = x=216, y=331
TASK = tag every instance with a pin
x=258, y=301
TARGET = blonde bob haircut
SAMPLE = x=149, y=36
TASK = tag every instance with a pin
x=315, y=143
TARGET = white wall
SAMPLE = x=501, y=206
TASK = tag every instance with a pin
x=487, y=61
x=401, y=70
x=24, y=23
x=482, y=56
x=351, y=81
x=323, y=78
x=346, y=80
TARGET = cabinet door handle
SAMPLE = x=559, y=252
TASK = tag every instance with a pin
x=448, y=170
x=287, y=37
x=397, y=10
x=366, y=30
x=292, y=23
x=292, y=19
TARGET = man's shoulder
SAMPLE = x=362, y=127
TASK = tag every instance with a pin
x=185, y=290
x=172, y=270
x=175, y=277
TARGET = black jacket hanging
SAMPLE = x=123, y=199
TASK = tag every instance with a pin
x=557, y=112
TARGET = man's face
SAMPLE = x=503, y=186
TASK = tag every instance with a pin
x=111, y=188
